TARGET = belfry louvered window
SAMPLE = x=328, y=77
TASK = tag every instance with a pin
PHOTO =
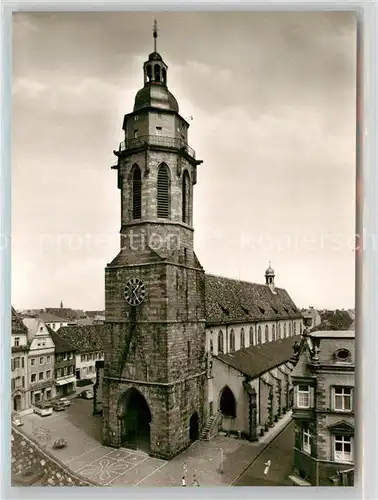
x=137, y=193
x=163, y=192
x=185, y=197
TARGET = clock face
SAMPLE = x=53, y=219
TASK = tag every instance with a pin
x=135, y=292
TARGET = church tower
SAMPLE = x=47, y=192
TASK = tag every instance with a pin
x=154, y=368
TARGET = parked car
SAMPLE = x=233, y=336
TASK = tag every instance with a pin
x=44, y=409
x=86, y=394
x=58, y=405
x=65, y=401
x=83, y=382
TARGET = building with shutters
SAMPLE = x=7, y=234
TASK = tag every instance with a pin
x=323, y=410
x=64, y=379
x=41, y=361
x=19, y=365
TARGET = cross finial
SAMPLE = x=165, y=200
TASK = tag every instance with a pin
x=155, y=34
x=270, y=263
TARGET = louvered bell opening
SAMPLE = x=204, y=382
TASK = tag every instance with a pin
x=163, y=193
x=185, y=198
x=137, y=194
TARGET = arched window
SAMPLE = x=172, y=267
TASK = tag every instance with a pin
x=185, y=197
x=163, y=192
x=300, y=328
x=220, y=342
x=259, y=335
x=279, y=330
x=211, y=346
x=157, y=72
x=295, y=327
x=137, y=193
x=164, y=76
x=251, y=336
x=284, y=330
x=227, y=403
x=149, y=72
x=273, y=332
x=266, y=333
x=242, y=338
x=232, y=340
x=290, y=329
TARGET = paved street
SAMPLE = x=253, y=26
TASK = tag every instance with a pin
x=121, y=467
x=279, y=452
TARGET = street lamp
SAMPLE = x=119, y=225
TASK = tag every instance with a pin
x=221, y=461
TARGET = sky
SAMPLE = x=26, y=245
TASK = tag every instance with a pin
x=272, y=96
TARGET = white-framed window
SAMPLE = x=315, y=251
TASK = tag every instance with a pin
x=48, y=359
x=159, y=131
x=342, y=398
x=16, y=341
x=33, y=377
x=40, y=376
x=42, y=360
x=303, y=398
x=53, y=326
x=306, y=443
x=48, y=374
x=343, y=448
x=32, y=362
x=17, y=362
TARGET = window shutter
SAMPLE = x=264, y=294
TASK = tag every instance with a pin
x=312, y=396
x=298, y=437
x=12, y=365
x=12, y=384
x=295, y=402
x=163, y=193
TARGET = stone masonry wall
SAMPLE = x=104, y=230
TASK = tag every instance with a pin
x=33, y=466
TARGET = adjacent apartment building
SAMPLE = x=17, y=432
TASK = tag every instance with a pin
x=19, y=365
x=89, y=344
x=323, y=381
x=65, y=380
x=40, y=361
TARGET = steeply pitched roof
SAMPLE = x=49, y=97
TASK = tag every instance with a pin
x=233, y=301
x=256, y=360
x=85, y=338
x=18, y=326
x=61, y=345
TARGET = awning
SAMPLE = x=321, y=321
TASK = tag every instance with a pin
x=64, y=381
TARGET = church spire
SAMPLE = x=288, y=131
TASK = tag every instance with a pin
x=155, y=34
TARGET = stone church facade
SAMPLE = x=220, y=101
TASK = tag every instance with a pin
x=161, y=312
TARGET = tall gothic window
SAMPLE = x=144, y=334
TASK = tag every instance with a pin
x=266, y=333
x=242, y=338
x=185, y=197
x=137, y=193
x=163, y=192
x=259, y=335
x=251, y=336
x=220, y=342
x=273, y=332
x=232, y=340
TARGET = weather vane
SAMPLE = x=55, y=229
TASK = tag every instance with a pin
x=155, y=33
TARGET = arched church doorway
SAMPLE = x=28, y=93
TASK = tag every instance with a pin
x=17, y=403
x=135, y=418
x=227, y=403
x=194, y=427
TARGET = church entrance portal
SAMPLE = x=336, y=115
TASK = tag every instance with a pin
x=227, y=403
x=135, y=419
x=194, y=427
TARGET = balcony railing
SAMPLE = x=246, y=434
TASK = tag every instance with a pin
x=156, y=140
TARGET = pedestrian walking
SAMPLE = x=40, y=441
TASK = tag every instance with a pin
x=267, y=467
x=183, y=481
x=195, y=480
